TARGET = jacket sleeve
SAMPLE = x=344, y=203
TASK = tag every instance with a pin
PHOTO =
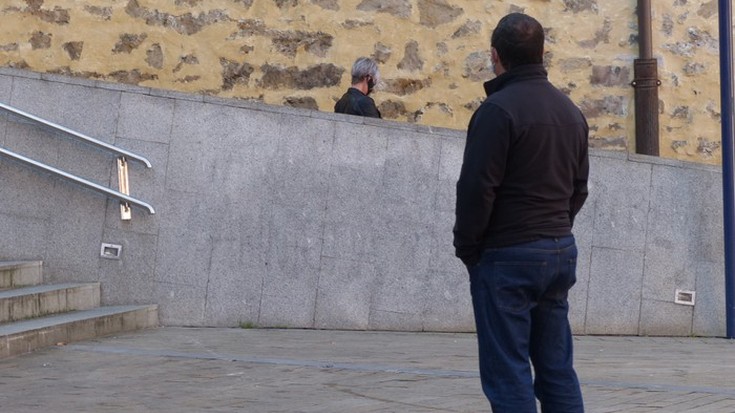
x=483, y=169
x=579, y=195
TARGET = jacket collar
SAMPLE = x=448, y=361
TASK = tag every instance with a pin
x=355, y=91
x=522, y=72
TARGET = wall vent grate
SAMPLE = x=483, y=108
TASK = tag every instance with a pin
x=684, y=297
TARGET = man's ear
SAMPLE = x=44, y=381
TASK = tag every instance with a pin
x=498, y=67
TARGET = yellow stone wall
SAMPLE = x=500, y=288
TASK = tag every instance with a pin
x=433, y=55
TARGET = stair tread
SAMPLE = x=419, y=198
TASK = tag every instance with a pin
x=37, y=289
x=49, y=321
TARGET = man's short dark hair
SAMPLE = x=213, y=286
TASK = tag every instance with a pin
x=519, y=40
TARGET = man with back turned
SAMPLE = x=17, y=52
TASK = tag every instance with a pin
x=356, y=101
x=523, y=179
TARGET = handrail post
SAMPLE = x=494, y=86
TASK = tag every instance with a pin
x=124, y=185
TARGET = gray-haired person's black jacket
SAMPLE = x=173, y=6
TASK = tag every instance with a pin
x=354, y=102
x=525, y=168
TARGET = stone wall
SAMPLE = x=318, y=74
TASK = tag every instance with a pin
x=281, y=216
x=433, y=54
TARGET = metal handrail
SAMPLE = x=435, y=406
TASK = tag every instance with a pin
x=89, y=184
x=81, y=136
x=122, y=156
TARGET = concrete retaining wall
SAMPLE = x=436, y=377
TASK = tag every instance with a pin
x=288, y=217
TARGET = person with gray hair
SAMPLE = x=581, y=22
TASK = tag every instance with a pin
x=356, y=101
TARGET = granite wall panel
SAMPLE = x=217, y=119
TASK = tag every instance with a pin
x=285, y=217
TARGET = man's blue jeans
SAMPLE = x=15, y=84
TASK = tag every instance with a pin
x=519, y=294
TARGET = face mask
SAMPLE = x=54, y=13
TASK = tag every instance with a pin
x=370, y=84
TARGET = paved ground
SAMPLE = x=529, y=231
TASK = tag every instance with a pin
x=294, y=371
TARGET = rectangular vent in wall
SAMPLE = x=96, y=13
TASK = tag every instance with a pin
x=111, y=251
x=684, y=297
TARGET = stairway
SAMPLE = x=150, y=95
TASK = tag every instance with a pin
x=34, y=315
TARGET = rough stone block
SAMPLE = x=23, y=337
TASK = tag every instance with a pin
x=606, y=106
x=610, y=76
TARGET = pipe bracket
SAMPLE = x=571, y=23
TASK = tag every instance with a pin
x=645, y=74
x=643, y=83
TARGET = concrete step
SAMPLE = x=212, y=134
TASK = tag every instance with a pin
x=29, y=302
x=20, y=273
x=25, y=336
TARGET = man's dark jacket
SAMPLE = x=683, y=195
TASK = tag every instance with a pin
x=354, y=102
x=525, y=167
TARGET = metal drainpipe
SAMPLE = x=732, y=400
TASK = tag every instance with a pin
x=645, y=83
x=728, y=191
